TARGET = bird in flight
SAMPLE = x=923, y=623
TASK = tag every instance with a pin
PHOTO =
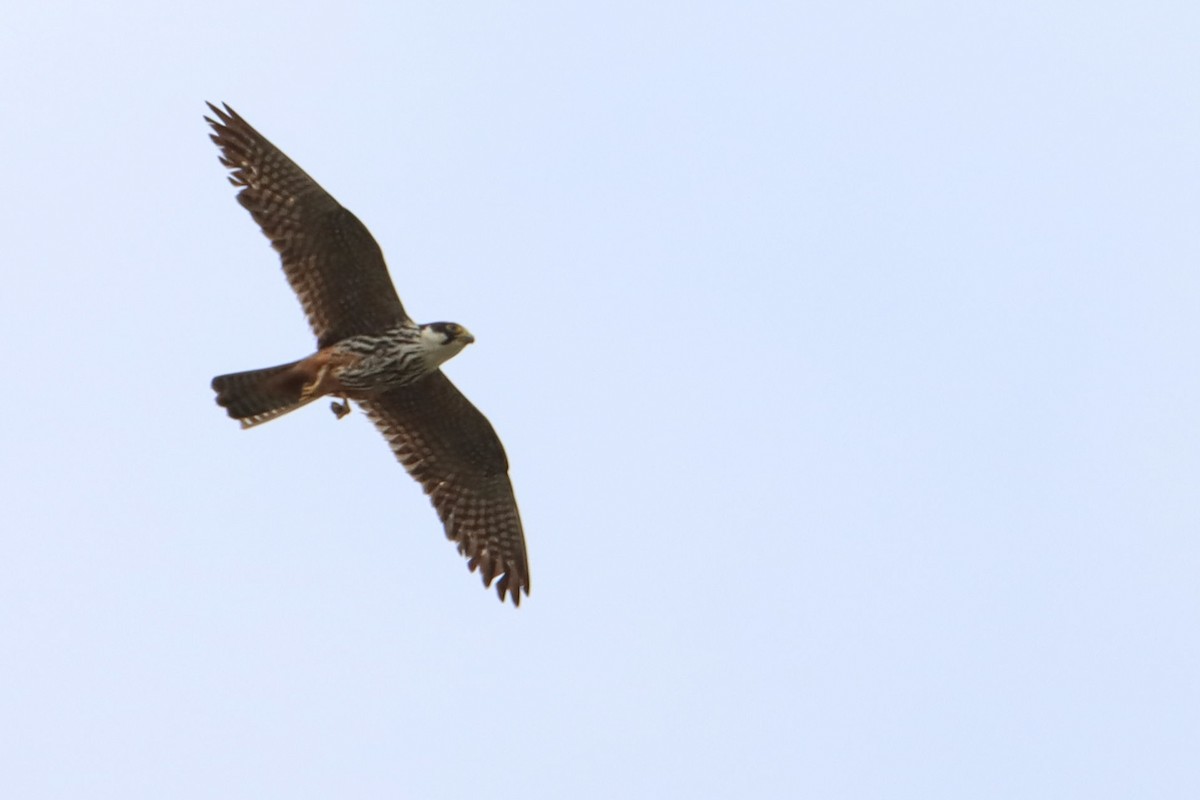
x=370, y=351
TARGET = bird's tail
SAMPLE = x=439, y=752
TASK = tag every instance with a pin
x=261, y=395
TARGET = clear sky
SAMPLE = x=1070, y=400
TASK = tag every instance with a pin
x=845, y=354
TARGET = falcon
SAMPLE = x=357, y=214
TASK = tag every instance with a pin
x=370, y=351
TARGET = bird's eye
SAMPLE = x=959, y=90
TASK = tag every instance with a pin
x=453, y=329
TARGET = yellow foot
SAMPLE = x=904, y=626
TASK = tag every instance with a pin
x=340, y=409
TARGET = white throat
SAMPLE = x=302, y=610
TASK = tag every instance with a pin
x=436, y=350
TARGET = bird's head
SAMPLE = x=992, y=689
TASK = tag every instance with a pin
x=443, y=341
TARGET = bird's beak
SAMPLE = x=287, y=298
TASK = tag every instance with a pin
x=467, y=337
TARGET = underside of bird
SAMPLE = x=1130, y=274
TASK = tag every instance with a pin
x=371, y=351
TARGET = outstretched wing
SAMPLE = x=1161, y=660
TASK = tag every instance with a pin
x=453, y=452
x=332, y=262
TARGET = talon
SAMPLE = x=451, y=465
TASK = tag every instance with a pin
x=340, y=409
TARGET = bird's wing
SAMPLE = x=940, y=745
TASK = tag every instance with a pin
x=332, y=262
x=453, y=452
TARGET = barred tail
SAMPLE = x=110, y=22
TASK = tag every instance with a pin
x=261, y=395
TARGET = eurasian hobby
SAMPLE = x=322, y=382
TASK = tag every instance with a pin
x=370, y=351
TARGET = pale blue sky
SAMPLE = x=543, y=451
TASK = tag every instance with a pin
x=845, y=354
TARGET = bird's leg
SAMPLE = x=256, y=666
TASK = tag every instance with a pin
x=326, y=383
x=312, y=389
